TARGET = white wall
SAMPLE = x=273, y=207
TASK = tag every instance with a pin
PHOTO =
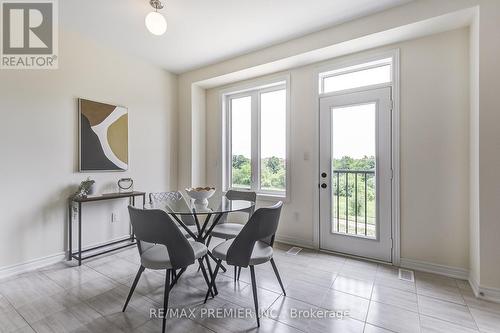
x=434, y=149
x=39, y=145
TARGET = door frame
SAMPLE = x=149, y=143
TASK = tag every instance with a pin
x=395, y=133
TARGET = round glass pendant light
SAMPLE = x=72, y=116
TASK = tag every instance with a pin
x=155, y=22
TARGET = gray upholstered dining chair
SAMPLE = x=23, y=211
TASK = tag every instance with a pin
x=162, y=245
x=163, y=199
x=253, y=246
x=229, y=230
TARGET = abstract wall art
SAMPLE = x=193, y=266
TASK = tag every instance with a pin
x=103, y=136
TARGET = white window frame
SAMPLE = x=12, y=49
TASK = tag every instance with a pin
x=254, y=90
x=354, y=67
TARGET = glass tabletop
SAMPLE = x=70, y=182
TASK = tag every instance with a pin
x=185, y=205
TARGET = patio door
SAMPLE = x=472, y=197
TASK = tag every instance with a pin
x=356, y=173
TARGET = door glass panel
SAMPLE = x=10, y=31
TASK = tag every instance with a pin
x=353, y=170
x=241, y=144
x=273, y=141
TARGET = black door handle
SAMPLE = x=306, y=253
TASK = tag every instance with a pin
x=323, y=185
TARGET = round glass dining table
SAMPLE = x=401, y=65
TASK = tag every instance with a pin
x=185, y=211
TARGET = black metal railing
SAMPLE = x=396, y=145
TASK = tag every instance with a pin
x=349, y=190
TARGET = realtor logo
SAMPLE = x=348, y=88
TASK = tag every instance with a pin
x=29, y=34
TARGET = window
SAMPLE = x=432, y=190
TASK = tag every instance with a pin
x=256, y=140
x=361, y=75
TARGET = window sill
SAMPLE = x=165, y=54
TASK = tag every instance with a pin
x=263, y=196
x=271, y=197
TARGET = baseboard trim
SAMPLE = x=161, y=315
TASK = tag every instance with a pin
x=486, y=293
x=38, y=263
x=295, y=241
x=449, y=271
x=31, y=265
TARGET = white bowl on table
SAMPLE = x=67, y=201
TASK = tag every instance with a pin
x=200, y=194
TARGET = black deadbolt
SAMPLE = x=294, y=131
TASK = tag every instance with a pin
x=323, y=175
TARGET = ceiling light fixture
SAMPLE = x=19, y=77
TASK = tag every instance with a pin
x=155, y=22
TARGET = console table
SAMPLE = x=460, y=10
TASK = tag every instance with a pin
x=79, y=202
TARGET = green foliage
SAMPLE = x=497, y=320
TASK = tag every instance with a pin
x=241, y=171
x=346, y=184
x=273, y=172
x=349, y=163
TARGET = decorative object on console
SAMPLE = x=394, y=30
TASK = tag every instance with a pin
x=200, y=194
x=103, y=136
x=85, y=189
x=126, y=185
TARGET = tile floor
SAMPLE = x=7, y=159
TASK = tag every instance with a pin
x=67, y=298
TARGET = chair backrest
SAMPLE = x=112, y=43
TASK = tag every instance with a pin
x=155, y=226
x=262, y=226
x=241, y=195
x=168, y=199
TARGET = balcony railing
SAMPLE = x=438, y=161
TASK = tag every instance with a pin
x=353, y=207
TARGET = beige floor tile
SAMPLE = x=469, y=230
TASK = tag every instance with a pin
x=477, y=303
x=440, y=291
x=369, y=328
x=387, y=271
x=23, y=289
x=43, y=307
x=94, y=287
x=127, y=321
x=100, y=324
x=353, y=286
x=447, y=311
x=59, y=322
x=393, y=318
x=306, y=292
x=287, y=309
x=424, y=277
x=150, y=280
x=463, y=285
x=10, y=319
x=25, y=329
x=117, y=268
x=361, y=273
x=433, y=325
x=337, y=300
x=69, y=276
x=488, y=322
x=395, y=297
x=394, y=282
x=181, y=325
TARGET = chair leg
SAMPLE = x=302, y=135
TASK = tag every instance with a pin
x=136, y=280
x=235, y=272
x=212, y=284
x=205, y=276
x=209, y=267
x=207, y=244
x=165, y=299
x=278, y=275
x=239, y=272
x=176, y=276
x=254, y=290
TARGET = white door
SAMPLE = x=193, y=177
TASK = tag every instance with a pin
x=355, y=173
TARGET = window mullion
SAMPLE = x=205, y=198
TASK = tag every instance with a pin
x=255, y=141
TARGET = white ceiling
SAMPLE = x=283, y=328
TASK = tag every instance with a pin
x=202, y=32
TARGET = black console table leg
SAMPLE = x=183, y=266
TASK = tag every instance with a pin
x=70, y=231
x=79, y=234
